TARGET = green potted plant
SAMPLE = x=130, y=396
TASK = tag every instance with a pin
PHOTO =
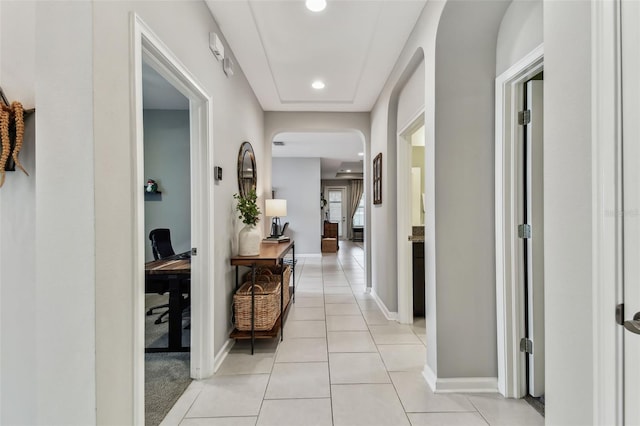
x=249, y=236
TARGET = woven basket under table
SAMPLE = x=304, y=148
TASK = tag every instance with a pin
x=272, y=274
x=266, y=308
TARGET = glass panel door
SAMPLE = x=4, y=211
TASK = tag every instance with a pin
x=336, y=207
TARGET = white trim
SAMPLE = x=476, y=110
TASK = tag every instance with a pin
x=430, y=377
x=508, y=296
x=222, y=353
x=459, y=384
x=608, y=395
x=467, y=385
x=147, y=46
x=391, y=316
x=403, y=218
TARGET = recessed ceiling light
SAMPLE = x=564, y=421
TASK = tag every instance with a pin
x=348, y=171
x=316, y=5
x=361, y=154
x=318, y=85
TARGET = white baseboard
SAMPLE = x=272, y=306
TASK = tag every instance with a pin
x=430, y=377
x=460, y=384
x=391, y=316
x=222, y=354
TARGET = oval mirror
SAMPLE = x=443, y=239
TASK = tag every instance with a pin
x=247, y=175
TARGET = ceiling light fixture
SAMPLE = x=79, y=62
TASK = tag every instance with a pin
x=316, y=5
x=318, y=85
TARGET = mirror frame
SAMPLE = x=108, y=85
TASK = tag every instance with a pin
x=246, y=149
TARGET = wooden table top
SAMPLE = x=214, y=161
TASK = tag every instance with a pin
x=270, y=254
x=168, y=266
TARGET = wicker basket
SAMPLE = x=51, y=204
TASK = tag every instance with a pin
x=272, y=274
x=266, y=308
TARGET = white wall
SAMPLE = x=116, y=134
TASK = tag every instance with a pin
x=520, y=33
x=167, y=161
x=568, y=192
x=411, y=100
x=184, y=27
x=297, y=180
x=18, y=320
x=65, y=216
x=465, y=187
x=457, y=41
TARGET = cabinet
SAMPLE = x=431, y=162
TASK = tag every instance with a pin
x=270, y=255
x=330, y=230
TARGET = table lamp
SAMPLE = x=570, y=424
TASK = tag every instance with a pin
x=275, y=209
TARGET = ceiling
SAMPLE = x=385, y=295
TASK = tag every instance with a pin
x=282, y=48
x=338, y=151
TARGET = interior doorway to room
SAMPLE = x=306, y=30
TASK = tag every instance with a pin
x=167, y=230
x=195, y=210
x=411, y=220
x=337, y=208
x=530, y=232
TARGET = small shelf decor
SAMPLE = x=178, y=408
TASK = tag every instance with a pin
x=249, y=236
x=11, y=135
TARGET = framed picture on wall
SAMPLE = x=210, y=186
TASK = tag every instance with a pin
x=377, y=179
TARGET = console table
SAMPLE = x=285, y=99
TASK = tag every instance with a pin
x=270, y=255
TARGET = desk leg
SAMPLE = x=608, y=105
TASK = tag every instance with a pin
x=175, y=314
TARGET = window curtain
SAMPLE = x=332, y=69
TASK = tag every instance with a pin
x=356, y=194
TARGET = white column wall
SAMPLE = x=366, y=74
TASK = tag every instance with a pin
x=184, y=28
x=567, y=213
x=18, y=320
x=297, y=180
x=65, y=216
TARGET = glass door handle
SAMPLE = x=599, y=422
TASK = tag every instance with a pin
x=634, y=324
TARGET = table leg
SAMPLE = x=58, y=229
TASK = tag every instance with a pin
x=175, y=314
x=253, y=306
x=282, y=290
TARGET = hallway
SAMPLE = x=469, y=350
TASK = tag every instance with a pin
x=341, y=363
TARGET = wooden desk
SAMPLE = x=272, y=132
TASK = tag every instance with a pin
x=170, y=275
x=270, y=255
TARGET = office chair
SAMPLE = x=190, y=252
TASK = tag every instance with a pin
x=161, y=249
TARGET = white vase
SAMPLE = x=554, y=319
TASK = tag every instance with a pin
x=249, y=241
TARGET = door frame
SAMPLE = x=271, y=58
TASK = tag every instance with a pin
x=148, y=47
x=606, y=143
x=509, y=295
x=403, y=217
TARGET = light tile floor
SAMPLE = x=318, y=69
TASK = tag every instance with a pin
x=341, y=363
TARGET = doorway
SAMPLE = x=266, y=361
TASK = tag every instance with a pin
x=337, y=208
x=167, y=212
x=411, y=220
x=531, y=235
x=150, y=50
x=510, y=194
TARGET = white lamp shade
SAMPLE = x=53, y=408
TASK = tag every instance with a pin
x=275, y=208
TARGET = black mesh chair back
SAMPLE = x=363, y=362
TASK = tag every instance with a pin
x=161, y=243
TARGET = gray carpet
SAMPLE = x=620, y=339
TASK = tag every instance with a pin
x=166, y=374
